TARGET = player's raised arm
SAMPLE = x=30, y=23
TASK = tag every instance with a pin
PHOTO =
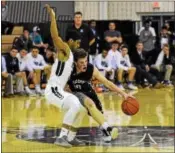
x=58, y=42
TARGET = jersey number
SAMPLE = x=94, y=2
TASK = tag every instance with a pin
x=60, y=68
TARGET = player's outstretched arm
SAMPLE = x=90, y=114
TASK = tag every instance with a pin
x=58, y=42
x=109, y=84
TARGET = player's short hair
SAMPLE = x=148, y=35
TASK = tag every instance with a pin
x=79, y=53
x=115, y=42
x=35, y=47
x=124, y=46
x=78, y=13
x=139, y=42
x=50, y=48
x=23, y=49
x=164, y=27
x=91, y=21
x=15, y=48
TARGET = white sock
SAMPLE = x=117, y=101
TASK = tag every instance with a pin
x=105, y=125
x=71, y=135
x=26, y=88
x=63, y=132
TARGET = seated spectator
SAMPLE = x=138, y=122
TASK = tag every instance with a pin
x=37, y=63
x=37, y=40
x=49, y=56
x=165, y=63
x=24, y=41
x=8, y=79
x=13, y=68
x=103, y=64
x=112, y=54
x=24, y=66
x=143, y=70
x=124, y=66
x=112, y=34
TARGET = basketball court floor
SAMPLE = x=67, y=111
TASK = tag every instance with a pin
x=30, y=125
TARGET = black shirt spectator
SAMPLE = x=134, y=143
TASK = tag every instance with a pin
x=95, y=47
x=80, y=31
x=49, y=56
x=12, y=62
x=23, y=41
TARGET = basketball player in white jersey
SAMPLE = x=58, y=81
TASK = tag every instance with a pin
x=74, y=110
x=54, y=93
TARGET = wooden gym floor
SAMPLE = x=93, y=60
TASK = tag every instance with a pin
x=30, y=125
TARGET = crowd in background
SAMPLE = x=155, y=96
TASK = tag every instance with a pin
x=30, y=59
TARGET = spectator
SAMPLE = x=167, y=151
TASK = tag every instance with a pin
x=164, y=36
x=112, y=54
x=80, y=32
x=112, y=34
x=143, y=71
x=95, y=47
x=38, y=64
x=103, y=64
x=49, y=56
x=170, y=33
x=151, y=29
x=4, y=11
x=13, y=68
x=25, y=67
x=24, y=41
x=37, y=40
x=147, y=38
x=8, y=79
x=124, y=66
x=165, y=63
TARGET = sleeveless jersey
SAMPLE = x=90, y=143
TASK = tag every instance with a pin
x=81, y=82
x=61, y=72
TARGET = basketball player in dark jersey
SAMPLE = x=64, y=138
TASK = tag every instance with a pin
x=79, y=84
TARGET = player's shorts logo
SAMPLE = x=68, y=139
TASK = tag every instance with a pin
x=56, y=92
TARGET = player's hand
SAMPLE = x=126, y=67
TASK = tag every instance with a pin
x=31, y=74
x=147, y=68
x=48, y=8
x=126, y=96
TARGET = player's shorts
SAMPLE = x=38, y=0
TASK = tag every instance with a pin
x=82, y=96
x=55, y=95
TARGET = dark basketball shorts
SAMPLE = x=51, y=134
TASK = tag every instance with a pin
x=81, y=96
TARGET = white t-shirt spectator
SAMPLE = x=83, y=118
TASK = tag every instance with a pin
x=24, y=63
x=118, y=61
x=102, y=63
x=36, y=63
x=125, y=62
x=112, y=57
x=150, y=28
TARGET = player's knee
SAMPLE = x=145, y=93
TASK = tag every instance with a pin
x=169, y=67
x=89, y=103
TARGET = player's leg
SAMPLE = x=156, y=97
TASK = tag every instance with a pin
x=112, y=75
x=95, y=110
x=120, y=77
x=47, y=71
x=37, y=81
x=131, y=74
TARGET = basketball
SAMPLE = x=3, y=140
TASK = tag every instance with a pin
x=130, y=106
